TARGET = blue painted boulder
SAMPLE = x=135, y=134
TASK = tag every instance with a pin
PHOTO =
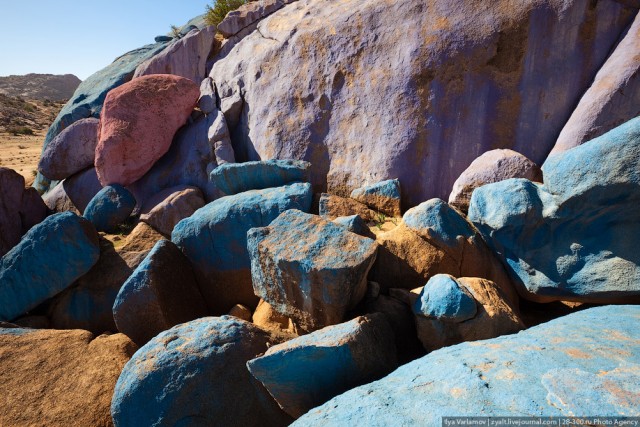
x=214, y=239
x=355, y=224
x=582, y=364
x=48, y=259
x=89, y=97
x=195, y=374
x=233, y=178
x=161, y=293
x=382, y=196
x=435, y=238
x=309, y=269
x=307, y=371
x=110, y=208
x=450, y=311
x=573, y=237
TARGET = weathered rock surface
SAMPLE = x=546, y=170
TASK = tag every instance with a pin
x=87, y=304
x=471, y=77
x=355, y=224
x=81, y=188
x=110, y=207
x=307, y=371
x=309, y=269
x=248, y=14
x=73, y=150
x=612, y=99
x=138, y=244
x=57, y=200
x=137, y=124
x=214, y=239
x=450, y=311
x=88, y=99
x=164, y=210
x=49, y=258
x=161, y=293
x=207, y=100
x=234, y=178
x=332, y=207
x=492, y=166
x=383, y=197
x=59, y=377
x=195, y=373
x=570, y=239
x=267, y=318
x=435, y=238
x=580, y=364
x=188, y=162
x=241, y=312
x=185, y=57
x=20, y=209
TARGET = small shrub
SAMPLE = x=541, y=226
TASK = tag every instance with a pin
x=20, y=130
x=175, y=32
x=220, y=8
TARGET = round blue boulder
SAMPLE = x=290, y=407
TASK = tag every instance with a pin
x=444, y=298
x=110, y=207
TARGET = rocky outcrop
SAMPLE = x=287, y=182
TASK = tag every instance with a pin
x=308, y=268
x=569, y=239
x=137, y=124
x=40, y=86
x=307, y=371
x=185, y=57
x=161, y=293
x=214, y=239
x=580, y=364
x=492, y=166
x=59, y=377
x=73, y=150
x=612, y=99
x=49, y=258
x=195, y=373
x=470, y=77
x=248, y=14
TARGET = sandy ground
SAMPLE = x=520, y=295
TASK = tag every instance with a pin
x=21, y=153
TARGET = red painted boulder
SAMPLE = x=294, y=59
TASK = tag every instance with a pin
x=137, y=125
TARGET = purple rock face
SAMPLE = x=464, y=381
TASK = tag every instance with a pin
x=71, y=151
x=474, y=76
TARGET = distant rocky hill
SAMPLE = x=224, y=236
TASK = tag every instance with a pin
x=40, y=86
x=19, y=116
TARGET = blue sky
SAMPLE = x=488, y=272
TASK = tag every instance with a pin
x=82, y=36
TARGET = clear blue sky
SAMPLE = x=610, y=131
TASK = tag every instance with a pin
x=82, y=36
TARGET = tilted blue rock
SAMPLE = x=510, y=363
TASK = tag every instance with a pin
x=355, y=224
x=443, y=298
x=574, y=237
x=48, y=259
x=383, y=196
x=438, y=221
x=233, y=178
x=89, y=96
x=579, y=365
x=110, y=207
x=195, y=374
x=214, y=239
x=307, y=371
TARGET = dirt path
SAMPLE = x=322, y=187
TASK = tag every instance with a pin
x=21, y=153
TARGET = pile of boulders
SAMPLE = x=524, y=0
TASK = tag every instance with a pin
x=158, y=281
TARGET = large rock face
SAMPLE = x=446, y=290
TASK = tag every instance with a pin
x=195, y=374
x=582, y=364
x=49, y=258
x=137, y=124
x=309, y=269
x=573, y=237
x=612, y=99
x=361, y=107
x=214, y=239
x=59, y=377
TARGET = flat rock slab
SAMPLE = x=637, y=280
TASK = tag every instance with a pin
x=110, y=207
x=48, y=259
x=161, y=293
x=491, y=166
x=309, y=269
x=214, y=239
x=382, y=196
x=307, y=371
x=581, y=364
x=233, y=178
x=573, y=238
x=73, y=150
x=137, y=124
x=59, y=378
x=195, y=373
